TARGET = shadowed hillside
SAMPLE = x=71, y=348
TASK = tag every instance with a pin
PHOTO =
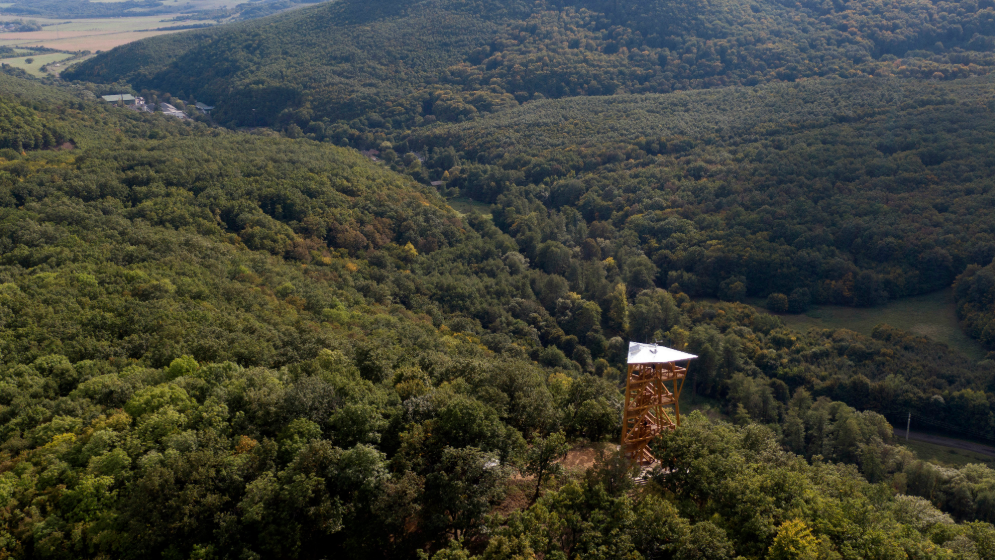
x=395, y=64
x=851, y=191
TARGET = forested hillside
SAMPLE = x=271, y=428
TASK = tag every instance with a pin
x=851, y=192
x=395, y=65
x=21, y=129
x=975, y=292
x=850, y=165
x=282, y=342
x=217, y=345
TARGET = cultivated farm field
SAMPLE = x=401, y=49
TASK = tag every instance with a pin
x=98, y=34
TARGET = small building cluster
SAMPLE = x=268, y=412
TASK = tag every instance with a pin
x=138, y=103
x=128, y=100
x=172, y=111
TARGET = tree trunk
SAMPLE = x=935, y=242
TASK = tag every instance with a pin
x=538, y=487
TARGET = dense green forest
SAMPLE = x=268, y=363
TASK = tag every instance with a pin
x=397, y=65
x=839, y=192
x=218, y=344
x=22, y=129
x=811, y=188
x=975, y=292
x=266, y=333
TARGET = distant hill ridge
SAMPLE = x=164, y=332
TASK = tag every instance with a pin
x=394, y=65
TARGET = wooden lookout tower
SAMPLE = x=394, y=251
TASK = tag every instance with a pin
x=651, y=405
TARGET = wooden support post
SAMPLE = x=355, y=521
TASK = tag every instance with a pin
x=645, y=415
x=625, y=411
x=677, y=393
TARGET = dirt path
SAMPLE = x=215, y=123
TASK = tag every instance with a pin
x=979, y=448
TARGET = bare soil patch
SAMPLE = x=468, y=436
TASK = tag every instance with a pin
x=519, y=491
x=583, y=457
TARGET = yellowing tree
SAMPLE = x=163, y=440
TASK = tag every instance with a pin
x=794, y=541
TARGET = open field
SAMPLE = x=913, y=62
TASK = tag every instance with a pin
x=466, y=205
x=56, y=69
x=199, y=5
x=37, y=62
x=931, y=315
x=944, y=455
x=958, y=453
x=89, y=34
x=91, y=24
x=188, y=5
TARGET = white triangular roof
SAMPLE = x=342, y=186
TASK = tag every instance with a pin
x=653, y=354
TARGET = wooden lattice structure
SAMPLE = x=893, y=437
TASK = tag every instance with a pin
x=652, y=390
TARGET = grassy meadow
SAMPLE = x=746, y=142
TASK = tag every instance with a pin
x=930, y=315
x=949, y=456
x=37, y=61
x=467, y=205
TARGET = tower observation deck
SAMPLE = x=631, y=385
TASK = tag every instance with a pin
x=651, y=406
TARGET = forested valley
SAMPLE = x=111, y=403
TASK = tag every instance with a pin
x=267, y=333
x=847, y=191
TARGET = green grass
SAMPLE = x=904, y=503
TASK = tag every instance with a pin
x=944, y=455
x=931, y=315
x=465, y=206
x=57, y=70
x=109, y=24
x=191, y=5
x=211, y=4
x=38, y=61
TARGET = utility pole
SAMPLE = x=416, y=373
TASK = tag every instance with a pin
x=907, y=426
